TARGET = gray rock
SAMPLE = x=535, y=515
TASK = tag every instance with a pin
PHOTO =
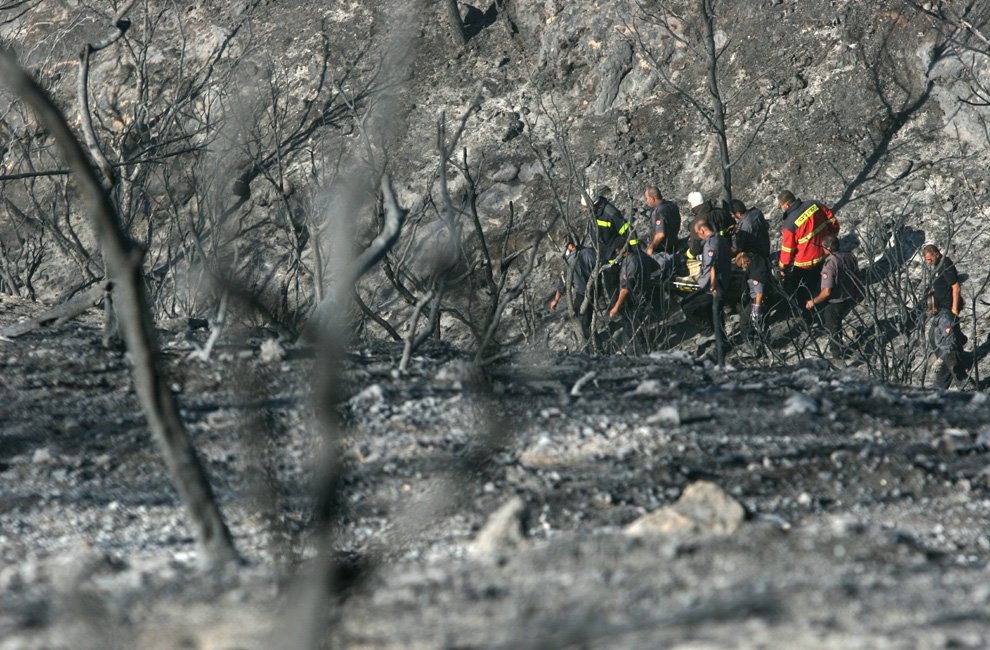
x=506, y=174
x=955, y=441
x=614, y=65
x=667, y=415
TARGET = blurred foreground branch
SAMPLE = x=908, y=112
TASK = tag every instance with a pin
x=123, y=262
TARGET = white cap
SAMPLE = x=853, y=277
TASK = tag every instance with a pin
x=589, y=192
x=695, y=199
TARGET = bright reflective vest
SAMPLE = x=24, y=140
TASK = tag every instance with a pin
x=805, y=223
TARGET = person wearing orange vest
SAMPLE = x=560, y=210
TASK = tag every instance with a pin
x=801, y=251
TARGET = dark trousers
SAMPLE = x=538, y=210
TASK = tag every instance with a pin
x=585, y=318
x=700, y=307
x=832, y=315
x=610, y=283
x=803, y=284
x=948, y=367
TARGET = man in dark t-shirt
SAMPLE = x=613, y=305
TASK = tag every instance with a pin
x=946, y=286
x=945, y=280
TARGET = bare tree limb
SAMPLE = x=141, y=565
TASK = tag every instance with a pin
x=123, y=264
x=60, y=313
x=457, y=27
x=120, y=25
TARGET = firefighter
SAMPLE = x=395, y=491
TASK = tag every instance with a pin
x=666, y=219
x=580, y=266
x=607, y=228
x=609, y=231
x=801, y=252
x=636, y=303
x=752, y=234
x=703, y=307
x=839, y=289
x=716, y=215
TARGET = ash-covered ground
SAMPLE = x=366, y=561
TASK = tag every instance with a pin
x=550, y=500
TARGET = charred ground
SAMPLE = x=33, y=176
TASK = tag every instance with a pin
x=865, y=505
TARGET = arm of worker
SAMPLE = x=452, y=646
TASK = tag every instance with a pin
x=614, y=311
x=956, y=299
x=556, y=299
x=819, y=299
x=712, y=287
x=656, y=242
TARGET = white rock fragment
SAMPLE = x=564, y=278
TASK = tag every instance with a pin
x=42, y=456
x=703, y=508
x=667, y=416
x=370, y=396
x=649, y=387
x=271, y=352
x=799, y=404
x=504, y=532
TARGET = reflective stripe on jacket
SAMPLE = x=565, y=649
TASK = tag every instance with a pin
x=805, y=224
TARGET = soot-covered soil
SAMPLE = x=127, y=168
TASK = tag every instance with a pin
x=863, y=519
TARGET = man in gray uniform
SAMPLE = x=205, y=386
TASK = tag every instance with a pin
x=666, y=220
x=840, y=289
x=635, y=304
x=580, y=265
x=713, y=283
x=752, y=232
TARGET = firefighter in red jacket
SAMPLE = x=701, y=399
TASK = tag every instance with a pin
x=801, y=251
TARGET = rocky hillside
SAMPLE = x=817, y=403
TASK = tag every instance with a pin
x=250, y=139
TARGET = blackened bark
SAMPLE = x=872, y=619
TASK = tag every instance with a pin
x=718, y=106
x=456, y=26
x=124, y=268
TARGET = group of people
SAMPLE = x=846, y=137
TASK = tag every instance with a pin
x=728, y=245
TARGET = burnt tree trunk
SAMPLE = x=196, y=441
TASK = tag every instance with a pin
x=456, y=26
x=718, y=105
x=124, y=267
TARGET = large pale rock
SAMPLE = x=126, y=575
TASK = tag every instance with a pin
x=504, y=532
x=702, y=508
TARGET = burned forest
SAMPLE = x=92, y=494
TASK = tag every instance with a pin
x=530, y=324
